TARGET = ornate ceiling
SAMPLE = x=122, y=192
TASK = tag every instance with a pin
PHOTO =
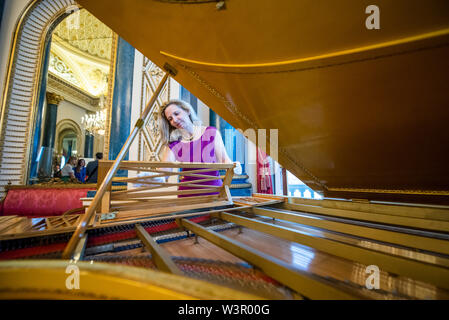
x=80, y=52
x=83, y=31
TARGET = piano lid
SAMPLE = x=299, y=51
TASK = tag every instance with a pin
x=361, y=113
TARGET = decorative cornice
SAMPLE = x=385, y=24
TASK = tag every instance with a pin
x=59, y=67
x=72, y=93
x=53, y=98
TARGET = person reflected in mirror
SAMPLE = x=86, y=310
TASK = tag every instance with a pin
x=67, y=172
x=92, y=169
x=80, y=170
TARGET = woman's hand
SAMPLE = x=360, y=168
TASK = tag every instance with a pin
x=238, y=167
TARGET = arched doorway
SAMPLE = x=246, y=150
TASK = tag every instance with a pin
x=69, y=139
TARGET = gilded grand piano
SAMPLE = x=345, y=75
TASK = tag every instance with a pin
x=361, y=116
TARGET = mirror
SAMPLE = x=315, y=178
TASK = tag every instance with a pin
x=78, y=88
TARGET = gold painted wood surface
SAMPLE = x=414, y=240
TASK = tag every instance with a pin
x=430, y=212
x=159, y=256
x=430, y=273
x=162, y=164
x=327, y=265
x=40, y=228
x=307, y=259
x=312, y=260
x=301, y=282
x=363, y=242
x=426, y=224
x=46, y=279
x=80, y=248
x=155, y=198
x=356, y=109
x=408, y=240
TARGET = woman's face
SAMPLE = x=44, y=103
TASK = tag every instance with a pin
x=177, y=117
x=82, y=163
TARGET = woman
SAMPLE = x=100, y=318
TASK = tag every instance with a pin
x=80, y=170
x=185, y=140
x=67, y=171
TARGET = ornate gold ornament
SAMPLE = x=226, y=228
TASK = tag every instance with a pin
x=53, y=98
x=58, y=67
x=150, y=135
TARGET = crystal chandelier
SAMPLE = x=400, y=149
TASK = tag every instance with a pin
x=95, y=123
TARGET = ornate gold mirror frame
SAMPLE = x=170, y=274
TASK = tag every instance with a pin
x=109, y=98
x=20, y=98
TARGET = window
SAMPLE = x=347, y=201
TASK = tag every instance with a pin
x=296, y=188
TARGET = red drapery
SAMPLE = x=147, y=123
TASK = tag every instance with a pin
x=264, y=183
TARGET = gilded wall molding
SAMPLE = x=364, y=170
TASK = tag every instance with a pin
x=149, y=137
x=53, y=98
x=110, y=95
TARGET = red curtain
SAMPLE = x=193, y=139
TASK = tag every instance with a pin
x=264, y=183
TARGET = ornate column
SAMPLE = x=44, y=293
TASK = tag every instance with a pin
x=122, y=98
x=45, y=156
x=88, y=145
x=122, y=101
x=53, y=100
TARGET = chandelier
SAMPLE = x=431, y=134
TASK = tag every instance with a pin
x=96, y=123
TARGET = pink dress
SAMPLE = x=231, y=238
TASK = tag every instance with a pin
x=200, y=150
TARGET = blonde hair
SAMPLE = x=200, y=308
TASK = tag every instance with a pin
x=168, y=132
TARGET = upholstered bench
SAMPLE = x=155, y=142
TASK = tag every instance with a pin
x=43, y=200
